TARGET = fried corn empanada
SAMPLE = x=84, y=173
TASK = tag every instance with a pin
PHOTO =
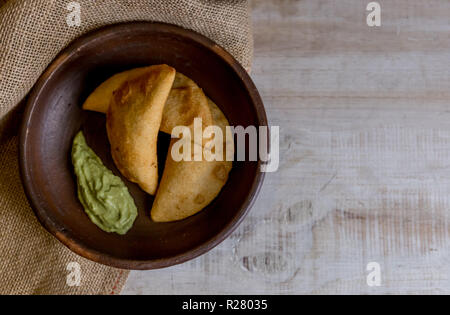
x=186, y=100
x=189, y=186
x=133, y=121
x=100, y=99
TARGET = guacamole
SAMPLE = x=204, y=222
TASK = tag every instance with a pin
x=104, y=196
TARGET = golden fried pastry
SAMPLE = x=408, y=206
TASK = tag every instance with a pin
x=183, y=105
x=133, y=121
x=189, y=186
x=100, y=99
x=186, y=100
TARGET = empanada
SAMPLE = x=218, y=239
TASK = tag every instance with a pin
x=189, y=186
x=186, y=100
x=133, y=121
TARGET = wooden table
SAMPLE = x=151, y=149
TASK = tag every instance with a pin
x=364, y=116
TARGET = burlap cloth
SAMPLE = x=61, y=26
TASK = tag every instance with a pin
x=32, y=32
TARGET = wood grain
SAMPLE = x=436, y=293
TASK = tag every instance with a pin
x=364, y=116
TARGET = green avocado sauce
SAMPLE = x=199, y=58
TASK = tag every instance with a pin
x=104, y=196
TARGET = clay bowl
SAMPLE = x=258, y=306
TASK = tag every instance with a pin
x=53, y=116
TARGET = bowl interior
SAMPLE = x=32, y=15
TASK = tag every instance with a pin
x=54, y=116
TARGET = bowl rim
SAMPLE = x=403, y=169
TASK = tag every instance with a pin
x=59, y=231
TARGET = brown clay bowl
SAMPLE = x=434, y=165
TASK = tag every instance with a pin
x=54, y=115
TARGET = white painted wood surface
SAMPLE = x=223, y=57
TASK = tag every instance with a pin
x=365, y=157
